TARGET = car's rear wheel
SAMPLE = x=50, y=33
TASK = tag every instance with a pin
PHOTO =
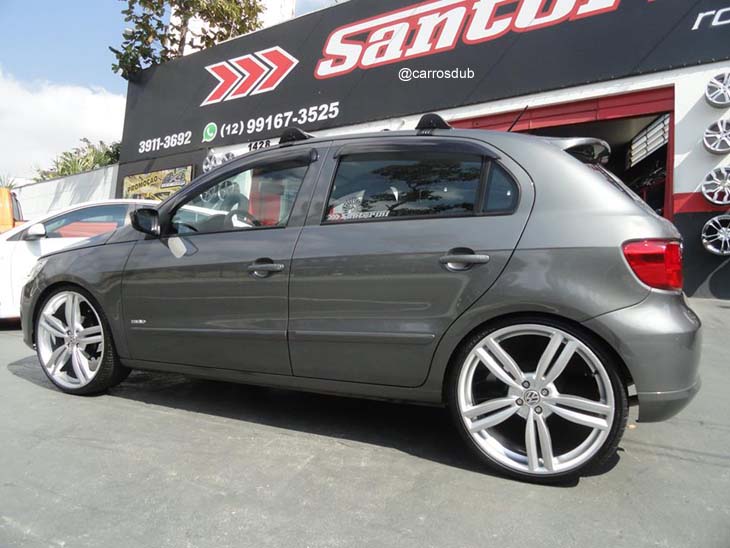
x=538, y=399
x=74, y=343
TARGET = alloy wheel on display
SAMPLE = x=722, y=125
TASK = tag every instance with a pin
x=716, y=235
x=717, y=137
x=718, y=91
x=716, y=187
x=536, y=399
x=70, y=339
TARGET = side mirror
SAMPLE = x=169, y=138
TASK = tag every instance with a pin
x=147, y=221
x=35, y=232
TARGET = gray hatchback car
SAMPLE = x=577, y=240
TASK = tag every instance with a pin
x=509, y=277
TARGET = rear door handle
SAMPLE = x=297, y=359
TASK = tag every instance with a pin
x=263, y=268
x=464, y=259
x=458, y=260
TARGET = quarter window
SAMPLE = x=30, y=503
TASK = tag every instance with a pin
x=502, y=194
x=374, y=186
x=261, y=197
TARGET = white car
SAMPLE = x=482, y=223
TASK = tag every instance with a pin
x=22, y=246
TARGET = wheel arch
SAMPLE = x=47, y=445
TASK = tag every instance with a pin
x=590, y=335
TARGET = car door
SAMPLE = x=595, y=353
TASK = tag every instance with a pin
x=403, y=235
x=213, y=290
x=61, y=231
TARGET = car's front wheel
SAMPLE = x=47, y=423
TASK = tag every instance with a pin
x=74, y=343
x=538, y=399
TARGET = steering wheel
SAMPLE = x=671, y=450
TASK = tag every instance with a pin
x=242, y=216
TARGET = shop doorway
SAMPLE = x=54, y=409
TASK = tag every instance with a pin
x=638, y=126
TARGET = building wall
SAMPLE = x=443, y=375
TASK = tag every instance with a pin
x=38, y=199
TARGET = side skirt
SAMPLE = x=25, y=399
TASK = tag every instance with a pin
x=421, y=395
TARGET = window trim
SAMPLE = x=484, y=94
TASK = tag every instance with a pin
x=488, y=159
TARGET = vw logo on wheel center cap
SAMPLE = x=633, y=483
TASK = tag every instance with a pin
x=531, y=398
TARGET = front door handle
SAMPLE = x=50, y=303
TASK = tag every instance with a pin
x=462, y=259
x=263, y=268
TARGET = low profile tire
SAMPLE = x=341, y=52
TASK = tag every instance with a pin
x=538, y=399
x=74, y=343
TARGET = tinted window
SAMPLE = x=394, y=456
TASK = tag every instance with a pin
x=405, y=184
x=502, y=194
x=255, y=198
x=87, y=222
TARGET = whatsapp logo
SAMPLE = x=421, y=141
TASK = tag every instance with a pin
x=210, y=132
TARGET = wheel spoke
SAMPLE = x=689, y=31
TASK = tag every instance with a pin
x=90, y=335
x=579, y=418
x=488, y=407
x=559, y=365
x=80, y=365
x=531, y=443
x=53, y=326
x=493, y=420
x=583, y=404
x=495, y=368
x=71, y=310
x=546, y=442
x=548, y=355
x=505, y=360
x=57, y=360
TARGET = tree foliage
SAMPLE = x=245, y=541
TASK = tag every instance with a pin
x=6, y=181
x=80, y=159
x=151, y=40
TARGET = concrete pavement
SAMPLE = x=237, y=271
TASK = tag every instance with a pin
x=165, y=461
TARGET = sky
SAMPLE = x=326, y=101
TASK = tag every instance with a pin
x=56, y=82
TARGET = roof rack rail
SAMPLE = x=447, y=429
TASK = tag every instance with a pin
x=294, y=134
x=429, y=122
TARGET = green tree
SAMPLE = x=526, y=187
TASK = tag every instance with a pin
x=80, y=159
x=153, y=39
x=7, y=181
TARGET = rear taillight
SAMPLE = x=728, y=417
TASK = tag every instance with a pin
x=657, y=263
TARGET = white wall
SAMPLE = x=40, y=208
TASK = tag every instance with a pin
x=38, y=199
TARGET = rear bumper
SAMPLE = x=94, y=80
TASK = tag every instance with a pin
x=660, y=342
x=660, y=406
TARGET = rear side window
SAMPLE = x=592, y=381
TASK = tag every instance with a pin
x=379, y=186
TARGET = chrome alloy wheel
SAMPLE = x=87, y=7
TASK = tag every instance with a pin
x=717, y=137
x=718, y=91
x=536, y=399
x=716, y=186
x=70, y=339
x=716, y=235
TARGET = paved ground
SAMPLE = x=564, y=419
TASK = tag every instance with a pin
x=163, y=461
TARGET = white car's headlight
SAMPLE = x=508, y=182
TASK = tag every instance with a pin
x=37, y=267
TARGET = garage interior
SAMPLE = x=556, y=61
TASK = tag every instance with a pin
x=639, y=151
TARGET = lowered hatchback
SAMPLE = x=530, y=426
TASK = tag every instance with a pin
x=520, y=285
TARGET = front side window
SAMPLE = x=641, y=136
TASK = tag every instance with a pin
x=373, y=186
x=87, y=222
x=261, y=197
